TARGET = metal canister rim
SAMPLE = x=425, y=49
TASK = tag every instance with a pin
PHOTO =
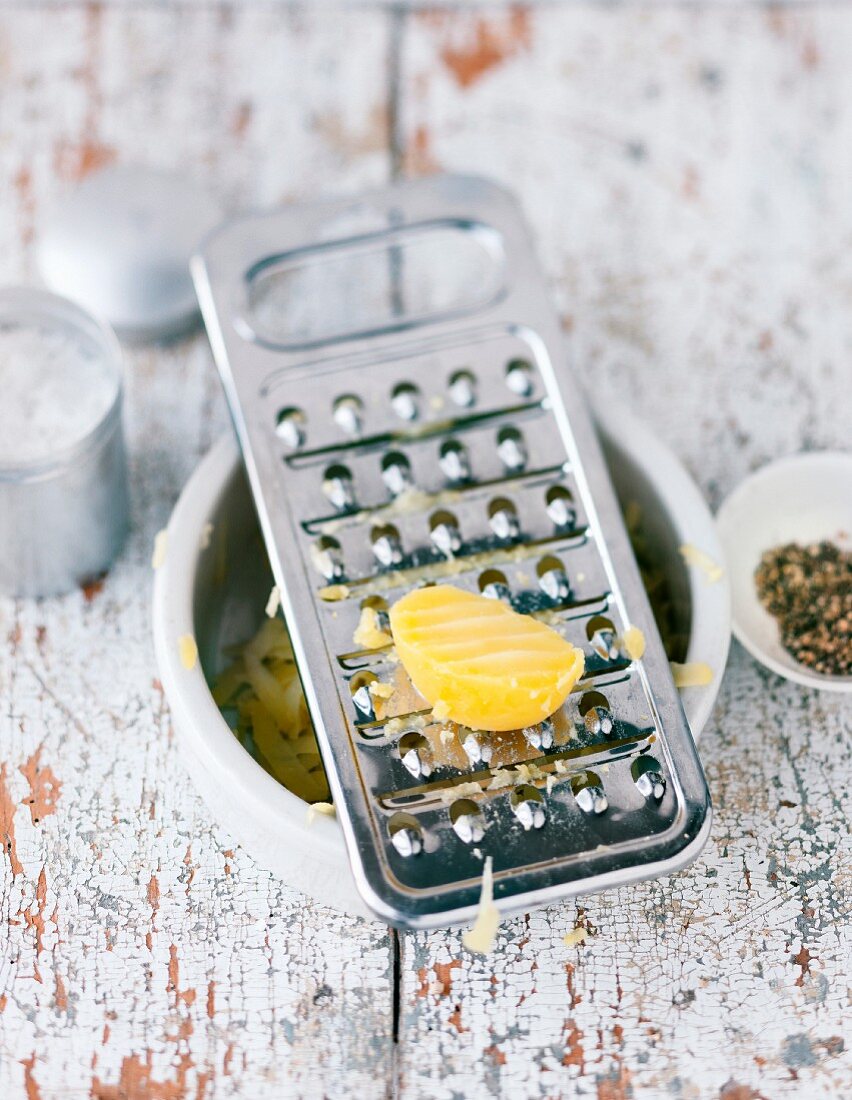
x=21, y=303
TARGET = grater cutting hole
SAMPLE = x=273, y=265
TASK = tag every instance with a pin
x=559, y=502
x=387, y=545
x=541, y=736
x=462, y=388
x=327, y=557
x=477, y=746
x=415, y=754
x=588, y=792
x=444, y=532
x=519, y=377
x=406, y=834
x=405, y=401
x=552, y=579
x=396, y=472
x=348, y=414
x=596, y=714
x=454, y=461
x=467, y=821
x=601, y=634
x=291, y=427
x=503, y=519
x=528, y=806
x=338, y=488
x=493, y=584
x=648, y=777
x=512, y=449
x=359, y=685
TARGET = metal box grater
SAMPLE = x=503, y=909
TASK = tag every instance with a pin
x=398, y=383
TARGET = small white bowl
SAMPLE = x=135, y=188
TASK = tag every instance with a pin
x=804, y=498
x=218, y=594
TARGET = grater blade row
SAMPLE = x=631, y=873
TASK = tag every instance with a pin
x=398, y=384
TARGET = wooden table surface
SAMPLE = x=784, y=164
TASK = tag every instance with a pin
x=686, y=170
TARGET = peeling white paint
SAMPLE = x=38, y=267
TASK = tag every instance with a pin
x=686, y=173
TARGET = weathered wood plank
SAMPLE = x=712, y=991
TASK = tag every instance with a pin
x=683, y=172
x=144, y=955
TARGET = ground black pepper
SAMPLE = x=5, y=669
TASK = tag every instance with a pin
x=809, y=591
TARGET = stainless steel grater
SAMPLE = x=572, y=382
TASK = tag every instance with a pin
x=397, y=379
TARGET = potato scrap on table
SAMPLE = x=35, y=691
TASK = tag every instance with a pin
x=575, y=937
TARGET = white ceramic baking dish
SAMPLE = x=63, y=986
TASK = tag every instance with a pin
x=214, y=584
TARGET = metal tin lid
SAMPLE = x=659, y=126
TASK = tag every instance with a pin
x=120, y=244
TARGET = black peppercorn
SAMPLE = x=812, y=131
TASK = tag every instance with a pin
x=809, y=591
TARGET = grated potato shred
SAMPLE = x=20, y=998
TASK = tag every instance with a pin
x=320, y=809
x=273, y=603
x=691, y=674
x=161, y=544
x=261, y=692
x=634, y=643
x=713, y=572
x=482, y=937
x=188, y=651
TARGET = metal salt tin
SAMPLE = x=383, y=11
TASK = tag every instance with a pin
x=399, y=388
x=64, y=514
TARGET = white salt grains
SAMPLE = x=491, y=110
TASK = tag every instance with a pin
x=55, y=388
